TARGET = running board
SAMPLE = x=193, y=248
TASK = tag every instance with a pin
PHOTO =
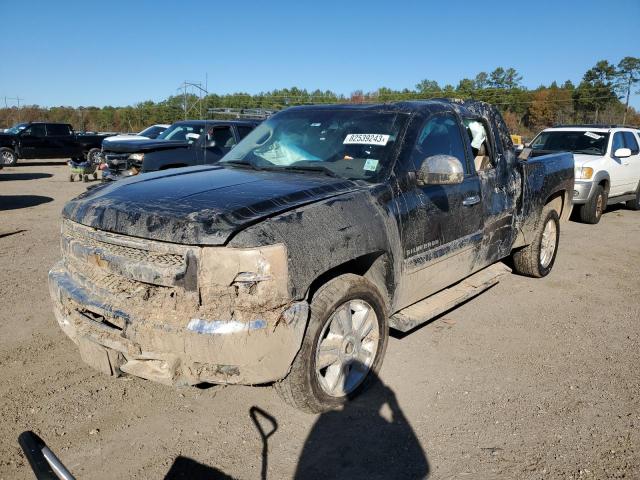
x=424, y=310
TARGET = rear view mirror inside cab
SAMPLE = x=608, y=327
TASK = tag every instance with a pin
x=482, y=154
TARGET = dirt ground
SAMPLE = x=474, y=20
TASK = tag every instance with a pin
x=532, y=379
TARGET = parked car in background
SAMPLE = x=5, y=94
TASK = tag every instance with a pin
x=289, y=260
x=148, y=133
x=47, y=140
x=184, y=144
x=607, y=164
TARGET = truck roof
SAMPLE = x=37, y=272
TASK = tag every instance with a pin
x=427, y=106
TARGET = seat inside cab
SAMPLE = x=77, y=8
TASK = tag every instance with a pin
x=477, y=132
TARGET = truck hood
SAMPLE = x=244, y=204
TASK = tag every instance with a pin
x=144, y=145
x=198, y=205
x=582, y=160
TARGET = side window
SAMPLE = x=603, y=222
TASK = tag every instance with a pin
x=483, y=156
x=223, y=136
x=243, y=131
x=631, y=142
x=54, y=130
x=618, y=142
x=36, y=131
x=440, y=135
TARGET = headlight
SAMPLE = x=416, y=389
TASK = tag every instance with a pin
x=584, y=173
x=137, y=156
x=259, y=274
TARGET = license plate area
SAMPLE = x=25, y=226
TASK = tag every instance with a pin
x=103, y=359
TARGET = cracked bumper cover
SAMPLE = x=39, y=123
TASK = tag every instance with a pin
x=201, y=350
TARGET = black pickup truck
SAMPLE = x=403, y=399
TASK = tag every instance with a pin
x=183, y=144
x=288, y=261
x=47, y=140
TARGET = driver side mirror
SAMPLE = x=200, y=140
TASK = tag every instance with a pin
x=622, y=153
x=440, y=170
x=210, y=144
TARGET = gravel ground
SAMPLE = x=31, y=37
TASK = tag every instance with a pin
x=532, y=379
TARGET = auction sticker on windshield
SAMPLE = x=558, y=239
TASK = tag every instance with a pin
x=366, y=139
x=593, y=135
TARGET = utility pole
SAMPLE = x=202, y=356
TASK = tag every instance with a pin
x=201, y=91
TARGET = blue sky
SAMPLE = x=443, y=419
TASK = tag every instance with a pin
x=123, y=52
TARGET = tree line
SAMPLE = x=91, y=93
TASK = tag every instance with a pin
x=602, y=96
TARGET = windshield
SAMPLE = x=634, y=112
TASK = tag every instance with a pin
x=152, y=132
x=179, y=131
x=590, y=143
x=354, y=144
x=17, y=128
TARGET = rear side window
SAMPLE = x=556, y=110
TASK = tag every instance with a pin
x=440, y=135
x=631, y=142
x=223, y=136
x=54, y=130
x=243, y=131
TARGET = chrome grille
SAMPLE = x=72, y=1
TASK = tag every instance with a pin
x=136, y=254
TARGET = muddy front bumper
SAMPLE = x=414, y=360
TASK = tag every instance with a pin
x=194, y=350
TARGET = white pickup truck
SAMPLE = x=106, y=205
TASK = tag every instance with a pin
x=607, y=163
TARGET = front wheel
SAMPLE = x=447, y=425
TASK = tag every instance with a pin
x=342, y=349
x=591, y=211
x=8, y=157
x=537, y=259
x=93, y=156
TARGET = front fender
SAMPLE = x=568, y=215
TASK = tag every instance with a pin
x=327, y=234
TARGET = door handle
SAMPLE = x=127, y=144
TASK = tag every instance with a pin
x=472, y=200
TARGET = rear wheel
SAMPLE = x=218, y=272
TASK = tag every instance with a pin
x=635, y=203
x=537, y=259
x=8, y=157
x=591, y=212
x=342, y=349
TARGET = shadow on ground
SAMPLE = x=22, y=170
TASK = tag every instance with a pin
x=15, y=202
x=369, y=438
x=23, y=176
x=41, y=163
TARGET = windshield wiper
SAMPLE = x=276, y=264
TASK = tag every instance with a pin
x=240, y=163
x=309, y=168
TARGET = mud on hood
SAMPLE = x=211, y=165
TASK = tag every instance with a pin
x=198, y=205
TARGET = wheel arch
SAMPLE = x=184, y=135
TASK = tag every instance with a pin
x=376, y=267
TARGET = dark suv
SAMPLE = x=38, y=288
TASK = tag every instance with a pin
x=183, y=144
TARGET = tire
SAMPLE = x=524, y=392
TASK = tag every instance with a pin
x=8, y=157
x=85, y=178
x=309, y=389
x=93, y=156
x=591, y=212
x=95, y=175
x=634, y=204
x=71, y=179
x=537, y=259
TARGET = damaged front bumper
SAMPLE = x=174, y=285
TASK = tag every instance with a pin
x=161, y=332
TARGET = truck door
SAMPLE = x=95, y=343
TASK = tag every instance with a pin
x=617, y=167
x=62, y=143
x=33, y=142
x=632, y=166
x=219, y=140
x=500, y=183
x=441, y=225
